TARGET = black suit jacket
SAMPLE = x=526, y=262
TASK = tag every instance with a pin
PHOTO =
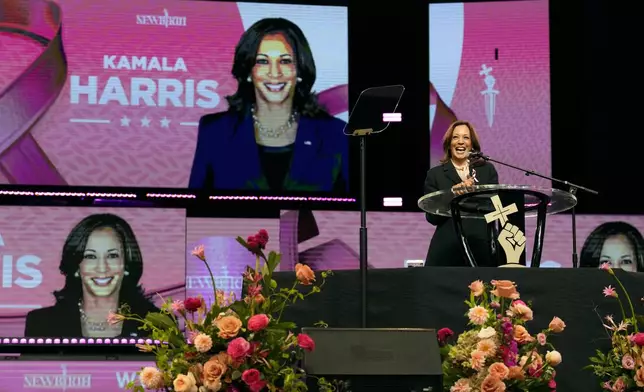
x=444, y=248
x=63, y=321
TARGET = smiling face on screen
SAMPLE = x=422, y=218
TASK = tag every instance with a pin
x=103, y=264
x=274, y=74
x=618, y=251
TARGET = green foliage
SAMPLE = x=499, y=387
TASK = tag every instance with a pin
x=275, y=349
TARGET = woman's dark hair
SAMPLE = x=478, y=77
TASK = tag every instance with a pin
x=591, y=251
x=304, y=100
x=74, y=250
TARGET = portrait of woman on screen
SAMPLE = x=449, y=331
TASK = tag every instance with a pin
x=275, y=136
x=102, y=264
x=617, y=243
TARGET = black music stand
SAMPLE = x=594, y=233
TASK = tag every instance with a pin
x=366, y=118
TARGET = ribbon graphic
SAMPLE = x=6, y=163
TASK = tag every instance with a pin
x=28, y=97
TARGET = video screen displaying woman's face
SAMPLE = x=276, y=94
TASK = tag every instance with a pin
x=103, y=264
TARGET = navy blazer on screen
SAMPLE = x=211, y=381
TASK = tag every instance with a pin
x=445, y=248
x=227, y=155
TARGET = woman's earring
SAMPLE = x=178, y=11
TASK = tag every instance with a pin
x=77, y=274
x=126, y=273
x=299, y=79
x=249, y=79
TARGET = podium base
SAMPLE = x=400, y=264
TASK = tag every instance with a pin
x=512, y=266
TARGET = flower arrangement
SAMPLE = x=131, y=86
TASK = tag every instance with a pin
x=230, y=345
x=620, y=369
x=498, y=353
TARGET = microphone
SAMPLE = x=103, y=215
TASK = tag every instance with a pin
x=476, y=158
x=476, y=155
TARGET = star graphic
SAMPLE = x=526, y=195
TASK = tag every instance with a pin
x=165, y=123
x=125, y=122
x=145, y=121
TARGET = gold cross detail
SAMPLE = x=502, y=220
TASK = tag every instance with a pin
x=500, y=213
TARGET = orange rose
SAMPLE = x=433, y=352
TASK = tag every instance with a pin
x=223, y=357
x=477, y=288
x=639, y=377
x=304, y=274
x=213, y=371
x=492, y=384
x=557, y=325
x=520, y=310
x=229, y=326
x=505, y=289
x=499, y=370
x=516, y=373
x=521, y=335
x=196, y=370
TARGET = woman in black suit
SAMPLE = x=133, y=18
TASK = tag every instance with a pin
x=102, y=264
x=455, y=173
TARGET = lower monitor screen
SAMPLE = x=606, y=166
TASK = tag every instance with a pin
x=489, y=64
x=56, y=261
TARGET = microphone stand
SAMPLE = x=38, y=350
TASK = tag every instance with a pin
x=572, y=188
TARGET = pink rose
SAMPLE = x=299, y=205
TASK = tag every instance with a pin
x=638, y=339
x=492, y=384
x=258, y=386
x=258, y=322
x=628, y=362
x=251, y=376
x=193, y=304
x=619, y=386
x=541, y=338
x=305, y=341
x=238, y=348
x=521, y=310
x=477, y=288
x=499, y=370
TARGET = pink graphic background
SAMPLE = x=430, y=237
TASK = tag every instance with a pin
x=68, y=375
x=110, y=154
x=520, y=134
x=42, y=231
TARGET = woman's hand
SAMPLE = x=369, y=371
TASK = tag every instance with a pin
x=464, y=186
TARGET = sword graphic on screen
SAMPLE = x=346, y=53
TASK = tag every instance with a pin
x=489, y=94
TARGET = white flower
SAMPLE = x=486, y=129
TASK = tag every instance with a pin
x=487, y=333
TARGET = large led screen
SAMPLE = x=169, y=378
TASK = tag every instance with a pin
x=64, y=269
x=112, y=93
x=489, y=63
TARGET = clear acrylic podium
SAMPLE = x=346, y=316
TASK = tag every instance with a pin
x=486, y=202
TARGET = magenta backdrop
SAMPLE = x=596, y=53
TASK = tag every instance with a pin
x=128, y=142
x=41, y=232
x=520, y=132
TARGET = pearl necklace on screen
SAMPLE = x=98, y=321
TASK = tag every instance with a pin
x=94, y=326
x=270, y=132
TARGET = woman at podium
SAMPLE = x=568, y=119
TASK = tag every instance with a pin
x=456, y=173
